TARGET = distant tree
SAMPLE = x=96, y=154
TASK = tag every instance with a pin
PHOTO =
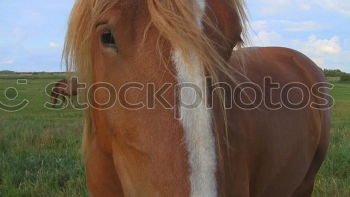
x=6, y=71
x=333, y=73
x=345, y=77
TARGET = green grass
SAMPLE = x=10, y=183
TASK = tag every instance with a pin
x=334, y=177
x=39, y=148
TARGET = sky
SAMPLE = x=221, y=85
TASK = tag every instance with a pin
x=318, y=28
x=32, y=31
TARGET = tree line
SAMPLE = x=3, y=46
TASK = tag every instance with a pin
x=337, y=73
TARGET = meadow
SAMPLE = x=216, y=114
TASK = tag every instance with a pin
x=39, y=147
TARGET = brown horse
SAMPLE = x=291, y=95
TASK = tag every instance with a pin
x=63, y=89
x=242, y=150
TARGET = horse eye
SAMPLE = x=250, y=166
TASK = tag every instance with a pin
x=108, y=40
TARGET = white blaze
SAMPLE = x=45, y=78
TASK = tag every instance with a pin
x=196, y=122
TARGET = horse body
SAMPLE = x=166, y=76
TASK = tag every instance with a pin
x=62, y=89
x=147, y=151
x=274, y=152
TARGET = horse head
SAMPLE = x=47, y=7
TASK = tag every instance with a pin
x=134, y=47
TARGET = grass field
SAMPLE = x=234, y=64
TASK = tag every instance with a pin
x=39, y=148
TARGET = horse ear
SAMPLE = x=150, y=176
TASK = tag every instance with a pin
x=224, y=26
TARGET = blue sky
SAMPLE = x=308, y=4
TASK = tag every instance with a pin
x=318, y=28
x=32, y=34
x=32, y=31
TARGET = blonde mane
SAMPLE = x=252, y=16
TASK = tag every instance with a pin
x=176, y=22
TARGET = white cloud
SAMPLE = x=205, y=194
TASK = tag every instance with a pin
x=325, y=52
x=259, y=25
x=19, y=35
x=340, y=6
x=322, y=51
x=321, y=46
x=7, y=62
x=266, y=38
x=284, y=25
x=53, y=45
x=271, y=5
x=307, y=28
x=298, y=26
x=305, y=6
x=280, y=6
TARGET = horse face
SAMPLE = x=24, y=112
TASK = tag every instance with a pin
x=144, y=140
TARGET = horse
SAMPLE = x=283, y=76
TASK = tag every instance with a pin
x=63, y=88
x=136, y=147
